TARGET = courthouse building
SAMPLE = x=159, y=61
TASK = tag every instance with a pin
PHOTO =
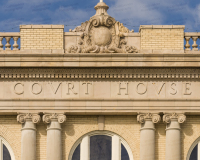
x=100, y=92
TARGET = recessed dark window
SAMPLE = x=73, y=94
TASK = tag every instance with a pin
x=6, y=154
x=194, y=153
x=100, y=147
x=76, y=155
x=124, y=153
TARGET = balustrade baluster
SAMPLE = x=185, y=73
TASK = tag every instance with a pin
x=8, y=43
x=15, y=45
x=194, y=46
x=187, y=46
x=1, y=45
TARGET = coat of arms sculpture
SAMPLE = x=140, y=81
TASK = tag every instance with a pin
x=102, y=34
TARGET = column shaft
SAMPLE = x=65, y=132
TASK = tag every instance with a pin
x=54, y=135
x=173, y=135
x=147, y=141
x=147, y=135
x=28, y=138
x=28, y=141
x=54, y=144
x=173, y=141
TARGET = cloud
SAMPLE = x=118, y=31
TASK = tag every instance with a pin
x=132, y=13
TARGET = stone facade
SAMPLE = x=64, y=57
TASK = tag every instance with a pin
x=141, y=89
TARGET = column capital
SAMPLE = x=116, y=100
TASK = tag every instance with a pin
x=168, y=117
x=23, y=117
x=59, y=117
x=154, y=117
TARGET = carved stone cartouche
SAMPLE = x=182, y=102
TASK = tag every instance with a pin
x=102, y=34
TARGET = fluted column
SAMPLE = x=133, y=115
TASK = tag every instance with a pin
x=28, y=138
x=173, y=135
x=147, y=135
x=54, y=142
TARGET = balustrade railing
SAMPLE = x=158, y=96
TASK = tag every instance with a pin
x=8, y=36
x=194, y=36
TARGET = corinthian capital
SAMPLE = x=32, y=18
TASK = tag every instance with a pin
x=48, y=117
x=142, y=117
x=168, y=117
x=23, y=117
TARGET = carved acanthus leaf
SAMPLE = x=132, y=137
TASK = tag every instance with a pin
x=23, y=117
x=170, y=116
x=48, y=117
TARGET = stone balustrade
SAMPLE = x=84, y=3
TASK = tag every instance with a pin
x=194, y=36
x=70, y=37
x=8, y=36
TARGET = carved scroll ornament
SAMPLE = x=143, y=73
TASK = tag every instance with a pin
x=181, y=118
x=23, y=117
x=102, y=34
x=48, y=117
x=142, y=117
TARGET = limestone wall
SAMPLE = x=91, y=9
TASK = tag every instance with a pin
x=42, y=36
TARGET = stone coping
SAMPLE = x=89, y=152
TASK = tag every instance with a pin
x=10, y=34
x=41, y=26
x=191, y=34
x=161, y=27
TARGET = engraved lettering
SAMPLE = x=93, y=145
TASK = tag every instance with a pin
x=36, y=88
x=87, y=84
x=174, y=92
x=17, y=89
x=55, y=89
x=157, y=88
x=187, y=89
x=71, y=88
x=141, y=88
x=125, y=88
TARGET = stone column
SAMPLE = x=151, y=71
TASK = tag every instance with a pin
x=54, y=142
x=147, y=135
x=173, y=135
x=28, y=139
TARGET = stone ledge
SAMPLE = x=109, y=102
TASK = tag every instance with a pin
x=41, y=26
x=192, y=34
x=10, y=34
x=72, y=33
x=161, y=27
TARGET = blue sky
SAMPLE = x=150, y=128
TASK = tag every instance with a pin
x=71, y=13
